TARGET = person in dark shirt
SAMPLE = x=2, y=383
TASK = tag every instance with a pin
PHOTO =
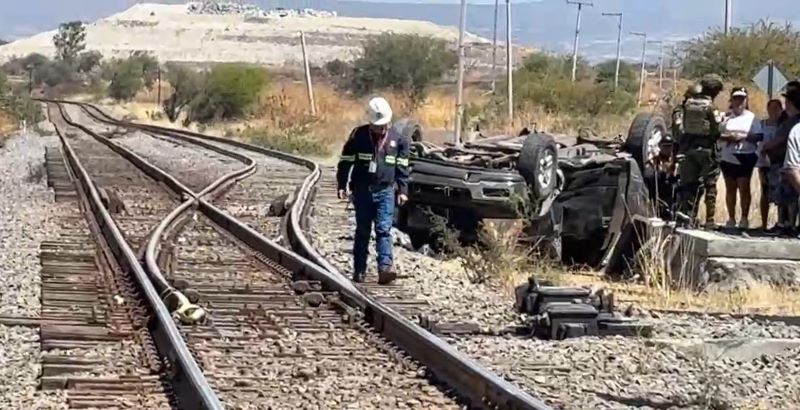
x=375, y=162
x=784, y=194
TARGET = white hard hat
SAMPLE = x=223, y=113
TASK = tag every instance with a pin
x=379, y=112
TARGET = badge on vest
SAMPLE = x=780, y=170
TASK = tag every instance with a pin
x=373, y=167
x=392, y=144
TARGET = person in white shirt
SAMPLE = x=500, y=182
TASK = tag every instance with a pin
x=737, y=155
x=768, y=128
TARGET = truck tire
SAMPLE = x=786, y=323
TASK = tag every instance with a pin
x=538, y=164
x=409, y=129
x=646, y=131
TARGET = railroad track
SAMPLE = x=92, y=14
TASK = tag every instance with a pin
x=272, y=313
x=105, y=334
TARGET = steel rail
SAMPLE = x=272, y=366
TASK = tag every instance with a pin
x=191, y=387
x=471, y=380
x=186, y=310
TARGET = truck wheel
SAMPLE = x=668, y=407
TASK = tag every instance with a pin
x=409, y=129
x=644, y=136
x=538, y=164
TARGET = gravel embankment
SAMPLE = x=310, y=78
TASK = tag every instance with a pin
x=194, y=166
x=629, y=373
x=28, y=216
x=588, y=373
x=19, y=371
x=442, y=284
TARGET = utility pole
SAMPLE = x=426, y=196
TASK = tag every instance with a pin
x=644, y=57
x=660, y=62
x=158, y=102
x=728, y=12
x=580, y=4
x=494, y=48
x=30, y=79
x=619, y=46
x=307, y=68
x=509, y=67
x=460, y=90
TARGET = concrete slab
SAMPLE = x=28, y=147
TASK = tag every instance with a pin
x=737, y=349
x=718, y=244
x=707, y=260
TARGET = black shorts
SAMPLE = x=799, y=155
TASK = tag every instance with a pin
x=744, y=169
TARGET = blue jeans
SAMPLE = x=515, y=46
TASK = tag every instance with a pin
x=377, y=207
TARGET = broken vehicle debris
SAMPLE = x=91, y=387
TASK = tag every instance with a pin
x=558, y=313
x=579, y=196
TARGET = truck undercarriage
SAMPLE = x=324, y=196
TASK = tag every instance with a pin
x=580, y=198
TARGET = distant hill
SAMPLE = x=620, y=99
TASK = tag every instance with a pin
x=545, y=24
x=176, y=33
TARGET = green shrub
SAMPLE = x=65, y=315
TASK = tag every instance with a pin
x=628, y=75
x=294, y=140
x=55, y=73
x=231, y=90
x=739, y=54
x=70, y=40
x=19, y=66
x=126, y=81
x=87, y=61
x=544, y=81
x=337, y=68
x=546, y=65
x=21, y=107
x=405, y=62
x=186, y=84
x=129, y=76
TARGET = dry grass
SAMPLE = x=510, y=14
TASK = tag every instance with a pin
x=759, y=298
x=7, y=126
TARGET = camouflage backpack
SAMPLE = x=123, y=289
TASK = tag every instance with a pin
x=697, y=116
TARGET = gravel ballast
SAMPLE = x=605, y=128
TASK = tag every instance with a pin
x=586, y=373
x=28, y=215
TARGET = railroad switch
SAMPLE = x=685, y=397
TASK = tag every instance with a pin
x=559, y=313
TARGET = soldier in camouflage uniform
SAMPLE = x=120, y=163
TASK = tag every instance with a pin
x=696, y=127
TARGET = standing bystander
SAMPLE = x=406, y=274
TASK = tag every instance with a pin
x=776, y=151
x=791, y=168
x=768, y=127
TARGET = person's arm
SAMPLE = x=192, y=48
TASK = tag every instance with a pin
x=346, y=161
x=716, y=119
x=792, y=163
x=756, y=133
x=781, y=137
x=402, y=170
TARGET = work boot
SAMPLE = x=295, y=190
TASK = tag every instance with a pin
x=359, y=277
x=386, y=275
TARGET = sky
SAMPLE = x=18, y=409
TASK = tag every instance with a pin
x=544, y=24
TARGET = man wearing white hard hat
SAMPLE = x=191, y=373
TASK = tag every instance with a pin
x=374, y=168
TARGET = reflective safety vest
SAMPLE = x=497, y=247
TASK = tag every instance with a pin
x=374, y=163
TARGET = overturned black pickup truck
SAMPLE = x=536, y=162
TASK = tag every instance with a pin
x=581, y=196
